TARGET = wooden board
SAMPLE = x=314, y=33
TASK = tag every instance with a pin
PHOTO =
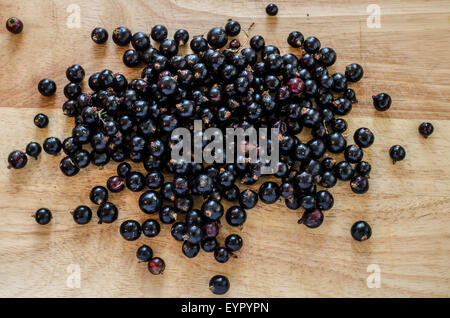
x=407, y=206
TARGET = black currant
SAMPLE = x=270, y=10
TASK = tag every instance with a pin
x=426, y=129
x=272, y=9
x=382, y=101
x=99, y=35
x=47, y=87
x=33, y=149
x=361, y=231
x=43, y=216
x=130, y=230
x=151, y=228
x=82, y=214
x=397, y=153
x=144, y=253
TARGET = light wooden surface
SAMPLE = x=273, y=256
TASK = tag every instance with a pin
x=408, y=204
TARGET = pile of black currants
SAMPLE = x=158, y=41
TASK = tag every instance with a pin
x=224, y=86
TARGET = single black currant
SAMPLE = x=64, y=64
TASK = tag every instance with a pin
x=82, y=214
x=43, y=216
x=361, y=231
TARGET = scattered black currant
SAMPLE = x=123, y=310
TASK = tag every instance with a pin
x=233, y=242
x=364, y=137
x=99, y=35
x=150, y=202
x=312, y=218
x=47, y=87
x=361, y=231
x=178, y=231
x=219, y=285
x=426, y=129
x=14, y=25
x=272, y=9
x=130, y=230
x=382, y=101
x=354, y=72
x=269, y=192
x=43, y=216
x=107, y=212
x=121, y=36
x=151, y=228
x=236, y=216
x=353, y=154
x=52, y=145
x=115, y=184
x=98, y=195
x=82, y=214
x=167, y=215
x=359, y=184
x=190, y=250
x=217, y=38
x=135, y=181
x=159, y=33
x=295, y=39
x=156, y=266
x=75, y=73
x=144, y=253
x=33, y=149
x=222, y=255
x=17, y=159
x=41, y=120
x=397, y=153
x=68, y=166
x=181, y=37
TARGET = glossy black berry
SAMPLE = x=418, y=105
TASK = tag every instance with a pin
x=344, y=170
x=269, y=192
x=397, y=153
x=233, y=242
x=361, y=231
x=130, y=230
x=107, y=212
x=338, y=125
x=47, y=87
x=219, y=285
x=359, y=184
x=52, y=145
x=43, y=216
x=272, y=9
x=150, y=202
x=14, y=25
x=335, y=142
x=312, y=218
x=75, y=73
x=135, y=181
x=324, y=200
x=98, y=195
x=144, y=253
x=257, y=42
x=33, y=149
x=159, y=33
x=154, y=180
x=178, y=231
x=382, y=101
x=194, y=233
x=17, y=159
x=311, y=44
x=82, y=158
x=72, y=90
x=328, y=164
x=82, y=214
x=212, y=210
x=167, y=215
x=363, y=168
x=131, y=58
x=156, y=266
x=353, y=154
x=354, y=72
x=327, y=179
x=295, y=39
x=99, y=35
x=140, y=41
x=222, y=255
x=209, y=244
x=364, y=137
x=231, y=194
x=68, y=166
x=217, y=38
x=181, y=37
x=326, y=56
x=115, y=184
x=190, y=250
x=123, y=169
x=151, y=228
x=41, y=120
x=426, y=129
x=198, y=44
x=236, y=216
x=232, y=28
x=121, y=36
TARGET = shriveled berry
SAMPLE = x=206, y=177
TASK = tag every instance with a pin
x=14, y=25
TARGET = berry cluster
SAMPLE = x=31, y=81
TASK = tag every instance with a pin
x=223, y=85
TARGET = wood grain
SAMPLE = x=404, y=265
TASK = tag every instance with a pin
x=408, y=204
